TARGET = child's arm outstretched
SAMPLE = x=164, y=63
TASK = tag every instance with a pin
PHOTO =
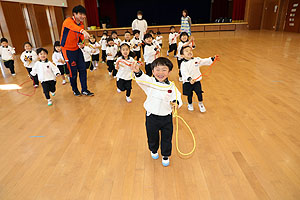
x=205, y=61
x=143, y=80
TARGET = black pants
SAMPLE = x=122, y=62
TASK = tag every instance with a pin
x=89, y=65
x=148, y=69
x=63, y=69
x=154, y=124
x=104, y=55
x=95, y=57
x=10, y=65
x=125, y=85
x=34, y=78
x=48, y=86
x=179, y=63
x=173, y=47
x=160, y=45
x=111, y=67
x=188, y=91
x=137, y=54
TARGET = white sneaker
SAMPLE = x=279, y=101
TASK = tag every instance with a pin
x=115, y=77
x=118, y=90
x=95, y=68
x=64, y=82
x=13, y=74
x=180, y=79
x=128, y=99
x=68, y=78
x=201, y=106
x=190, y=107
x=154, y=155
x=167, y=53
x=49, y=102
x=52, y=93
x=166, y=162
x=109, y=73
x=35, y=86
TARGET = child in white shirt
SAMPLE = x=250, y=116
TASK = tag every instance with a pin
x=103, y=43
x=95, y=55
x=136, y=44
x=172, y=41
x=117, y=40
x=158, y=105
x=123, y=64
x=87, y=52
x=150, y=53
x=29, y=58
x=60, y=62
x=191, y=76
x=126, y=40
x=159, y=38
x=111, y=52
x=47, y=73
x=6, y=53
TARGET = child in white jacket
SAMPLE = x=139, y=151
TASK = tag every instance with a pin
x=47, y=73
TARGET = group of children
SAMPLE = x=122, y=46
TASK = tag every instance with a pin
x=123, y=59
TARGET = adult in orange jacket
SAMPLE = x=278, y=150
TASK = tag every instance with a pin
x=73, y=33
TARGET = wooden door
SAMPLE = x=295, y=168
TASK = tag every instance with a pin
x=270, y=14
x=292, y=21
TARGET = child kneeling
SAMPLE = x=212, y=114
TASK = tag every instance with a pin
x=159, y=103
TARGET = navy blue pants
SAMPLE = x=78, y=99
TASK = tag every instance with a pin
x=76, y=64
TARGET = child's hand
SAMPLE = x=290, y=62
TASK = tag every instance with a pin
x=57, y=75
x=94, y=51
x=80, y=45
x=217, y=57
x=192, y=81
x=61, y=61
x=174, y=105
x=134, y=67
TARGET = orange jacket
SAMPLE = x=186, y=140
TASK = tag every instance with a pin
x=71, y=34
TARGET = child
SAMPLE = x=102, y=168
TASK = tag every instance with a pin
x=184, y=41
x=150, y=52
x=136, y=44
x=159, y=38
x=103, y=43
x=126, y=40
x=117, y=40
x=158, y=106
x=124, y=71
x=191, y=76
x=111, y=52
x=87, y=53
x=172, y=41
x=59, y=61
x=6, y=52
x=95, y=55
x=29, y=57
x=47, y=73
x=154, y=41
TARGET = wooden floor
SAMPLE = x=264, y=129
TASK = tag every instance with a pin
x=96, y=148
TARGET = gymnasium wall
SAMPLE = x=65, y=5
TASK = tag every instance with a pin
x=43, y=2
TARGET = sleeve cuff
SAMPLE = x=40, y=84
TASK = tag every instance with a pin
x=176, y=101
x=189, y=78
x=138, y=74
x=212, y=58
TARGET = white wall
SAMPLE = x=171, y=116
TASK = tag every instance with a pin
x=60, y=3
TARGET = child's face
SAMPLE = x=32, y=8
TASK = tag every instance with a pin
x=184, y=38
x=125, y=51
x=27, y=47
x=127, y=36
x=172, y=30
x=58, y=48
x=161, y=72
x=148, y=40
x=114, y=35
x=92, y=39
x=43, y=55
x=104, y=35
x=111, y=43
x=4, y=44
x=187, y=53
x=137, y=35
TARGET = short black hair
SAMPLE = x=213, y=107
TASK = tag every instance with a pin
x=135, y=32
x=139, y=13
x=56, y=44
x=79, y=9
x=127, y=32
x=147, y=35
x=183, y=48
x=110, y=39
x=27, y=43
x=151, y=31
x=182, y=34
x=162, y=61
x=39, y=50
x=158, y=32
x=172, y=27
x=105, y=33
x=184, y=10
x=114, y=32
x=4, y=40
